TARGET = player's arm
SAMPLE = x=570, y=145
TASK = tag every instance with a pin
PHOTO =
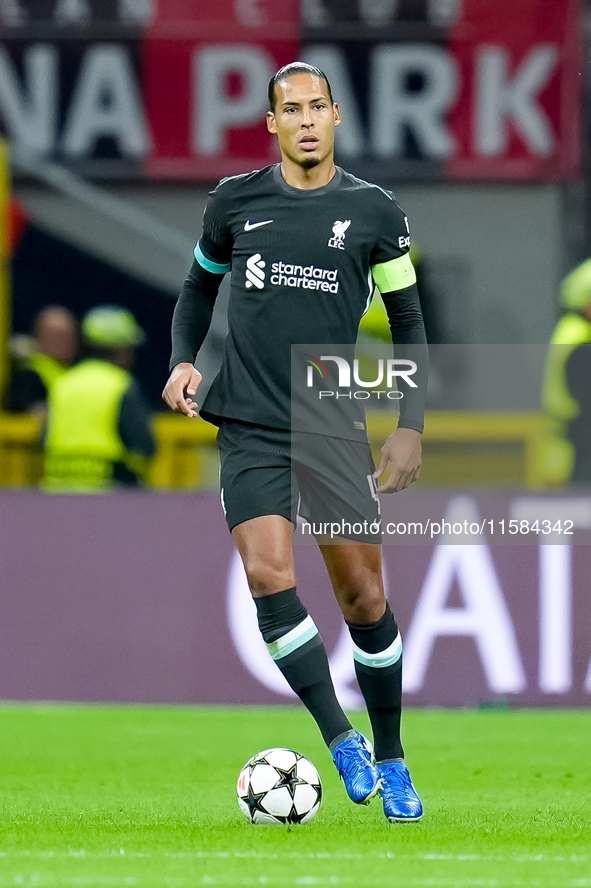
x=190, y=322
x=194, y=309
x=396, y=281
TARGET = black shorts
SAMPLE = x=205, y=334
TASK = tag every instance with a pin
x=327, y=481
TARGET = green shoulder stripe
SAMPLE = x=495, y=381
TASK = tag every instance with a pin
x=395, y=274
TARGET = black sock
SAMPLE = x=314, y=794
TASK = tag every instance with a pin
x=293, y=641
x=378, y=667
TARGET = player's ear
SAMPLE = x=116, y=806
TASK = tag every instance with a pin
x=271, y=126
x=337, y=114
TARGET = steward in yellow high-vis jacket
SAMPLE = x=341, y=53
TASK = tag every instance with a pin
x=565, y=453
x=98, y=430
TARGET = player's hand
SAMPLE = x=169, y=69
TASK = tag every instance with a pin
x=181, y=388
x=402, y=452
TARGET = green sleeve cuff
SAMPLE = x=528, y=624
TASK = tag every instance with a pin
x=209, y=264
x=396, y=274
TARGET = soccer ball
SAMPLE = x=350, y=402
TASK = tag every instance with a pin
x=279, y=786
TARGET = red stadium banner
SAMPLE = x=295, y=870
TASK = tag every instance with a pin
x=206, y=70
x=520, y=80
x=477, y=89
x=472, y=89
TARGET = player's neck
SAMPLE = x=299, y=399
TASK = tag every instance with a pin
x=300, y=177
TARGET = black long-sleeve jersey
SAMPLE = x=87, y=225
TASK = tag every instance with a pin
x=304, y=264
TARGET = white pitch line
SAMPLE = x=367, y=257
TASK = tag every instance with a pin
x=425, y=882
x=295, y=855
x=36, y=879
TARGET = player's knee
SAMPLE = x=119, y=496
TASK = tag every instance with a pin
x=362, y=604
x=265, y=577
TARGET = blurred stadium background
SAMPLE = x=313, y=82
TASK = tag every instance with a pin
x=117, y=117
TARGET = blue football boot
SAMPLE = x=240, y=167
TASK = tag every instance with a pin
x=354, y=762
x=400, y=798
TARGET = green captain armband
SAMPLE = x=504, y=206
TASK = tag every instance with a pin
x=396, y=274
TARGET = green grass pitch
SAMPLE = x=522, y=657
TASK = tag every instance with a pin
x=138, y=795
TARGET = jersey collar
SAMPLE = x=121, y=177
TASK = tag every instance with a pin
x=304, y=192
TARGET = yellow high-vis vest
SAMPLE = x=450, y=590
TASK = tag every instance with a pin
x=46, y=367
x=557, y=453
x=83, y=440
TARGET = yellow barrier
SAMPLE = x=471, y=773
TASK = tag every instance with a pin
x=492, y=449
x=186, y=456
x=21, y=457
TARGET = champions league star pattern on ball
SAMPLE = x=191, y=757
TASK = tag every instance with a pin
x=279, y=786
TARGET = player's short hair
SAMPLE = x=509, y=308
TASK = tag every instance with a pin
x=296, y=68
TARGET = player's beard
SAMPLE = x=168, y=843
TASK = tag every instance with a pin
x=310, y=162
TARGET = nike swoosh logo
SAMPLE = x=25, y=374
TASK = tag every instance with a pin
x=249, y=227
